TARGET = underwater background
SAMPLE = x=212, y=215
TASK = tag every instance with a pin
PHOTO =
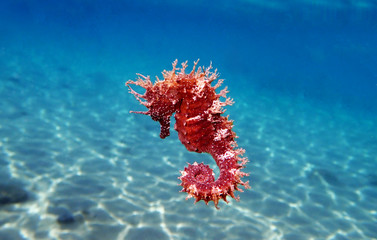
x=75, y=164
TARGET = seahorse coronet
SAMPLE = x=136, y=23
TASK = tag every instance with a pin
x=200, y=126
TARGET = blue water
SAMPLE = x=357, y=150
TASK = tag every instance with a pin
x=75, y=164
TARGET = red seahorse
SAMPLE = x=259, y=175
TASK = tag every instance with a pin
x=200, y=127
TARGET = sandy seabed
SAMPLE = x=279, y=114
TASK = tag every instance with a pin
x=74, y=164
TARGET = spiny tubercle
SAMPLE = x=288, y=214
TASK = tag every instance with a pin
x=200, y=127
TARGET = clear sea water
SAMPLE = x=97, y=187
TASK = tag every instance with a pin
x=75, y=164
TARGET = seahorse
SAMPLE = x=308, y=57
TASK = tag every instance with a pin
x=200, y=126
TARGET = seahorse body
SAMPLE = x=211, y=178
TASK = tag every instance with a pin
x=200, y=127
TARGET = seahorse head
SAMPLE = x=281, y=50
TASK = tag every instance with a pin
x=161, y=99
